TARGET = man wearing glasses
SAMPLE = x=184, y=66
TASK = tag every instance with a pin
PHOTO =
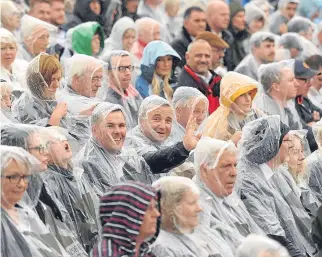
x=120, y=89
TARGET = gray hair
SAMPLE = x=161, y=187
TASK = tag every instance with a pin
x=108, y=58
x=299, y=24
x=259, y=37
x=273, y=73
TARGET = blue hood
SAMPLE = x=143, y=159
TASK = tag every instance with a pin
x=151, y=53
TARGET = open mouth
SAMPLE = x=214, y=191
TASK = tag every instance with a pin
x=117, y=140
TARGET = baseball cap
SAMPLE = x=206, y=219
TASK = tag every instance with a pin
x=302, y=70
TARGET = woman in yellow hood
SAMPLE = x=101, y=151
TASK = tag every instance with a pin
x=237, y=92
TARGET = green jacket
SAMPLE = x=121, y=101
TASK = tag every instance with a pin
x=82, y=37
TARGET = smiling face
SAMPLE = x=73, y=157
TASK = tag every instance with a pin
x=111, y=131
x=221, y=179
x=187, y=211
x=8, y=54
x=158, y=124
x=12, y=191
x=50, y=91
x=199, y=57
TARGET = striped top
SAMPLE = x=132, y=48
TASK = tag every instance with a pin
x=122, y=210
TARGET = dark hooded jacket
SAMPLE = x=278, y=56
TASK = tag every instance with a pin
x=122, y=210
x=83, y=13
x=180, y=45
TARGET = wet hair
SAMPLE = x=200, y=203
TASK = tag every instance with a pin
x=314, y=62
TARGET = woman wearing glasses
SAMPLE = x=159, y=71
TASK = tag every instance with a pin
x=22, y=232
x=158, y=63
x=49, y=210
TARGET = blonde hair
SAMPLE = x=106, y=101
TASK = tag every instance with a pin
x=167, y=89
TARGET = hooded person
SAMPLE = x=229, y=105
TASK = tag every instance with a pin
x=186, y=102
x=129, y=217
x=291, y=180
x=49, y=210
x=39, y=105
x=261, y=50
x=278, y=86
x=292, y=42
x=118, y=88
x=151, y=138
x=314, y=163
x=258, y=245
x=227, y=122
x=83, y=77
x=157, y=66
x=67, y=184
x=88, y=10
x=118, y=10
x=215, y=165
x=88, y=38
x=6, y=95
x=11, y=16
x=181, y=233
x=262, y=149
x=279, y=19
x=104, y=159
x=237, y=28
x=12, y=69
x=22, y=233
x=124, y=30
x=304, y=28
x=36, y=36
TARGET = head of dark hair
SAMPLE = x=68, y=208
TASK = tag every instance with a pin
x=191, y=9
x=314, y=62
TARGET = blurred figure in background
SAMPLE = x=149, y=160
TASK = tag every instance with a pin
x=291, y=42
x=40, y=9
x=10, y=17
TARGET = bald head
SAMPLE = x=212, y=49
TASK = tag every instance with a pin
x=198, y=56
x=148, y=29
x=218, y=15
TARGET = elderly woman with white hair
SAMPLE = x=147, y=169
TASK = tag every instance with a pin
x=10, y=16
x=35, y=37
x=260, y=246
x=181, y=234
x=6, y=96
x=215, y=165
x=13, y=71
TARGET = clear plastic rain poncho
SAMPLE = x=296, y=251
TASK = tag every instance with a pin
x=290, y=40
x=236, y=94
x=220, y=201
x=6, y=98
x=84, y=76
x=103, y=159
x=280, y=73
x=316, y=36
x=50, y=211
x=181, y=233
x=151, y=138
x=36, y=36
x=260, y=157
x=249, y=65
x=22, y=232
x=15, y=75
x=118, y=89
x=292, y=153
x=304, y=27
x=187, y=101
x=257, y=246
x=66, y=184
x=314, y=163
x=39, y=104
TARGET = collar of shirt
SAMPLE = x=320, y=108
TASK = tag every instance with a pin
x=267, y=171
x=207, y=78
x=218, y=34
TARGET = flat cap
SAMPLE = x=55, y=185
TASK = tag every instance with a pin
x=213, y=39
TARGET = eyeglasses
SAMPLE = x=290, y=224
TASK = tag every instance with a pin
x=15, y=179
x=122, y=69
x=40, y=149
x=97, y=79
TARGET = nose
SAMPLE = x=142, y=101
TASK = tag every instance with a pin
x=199, y=209
x=22, y=182
x=233, y=172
